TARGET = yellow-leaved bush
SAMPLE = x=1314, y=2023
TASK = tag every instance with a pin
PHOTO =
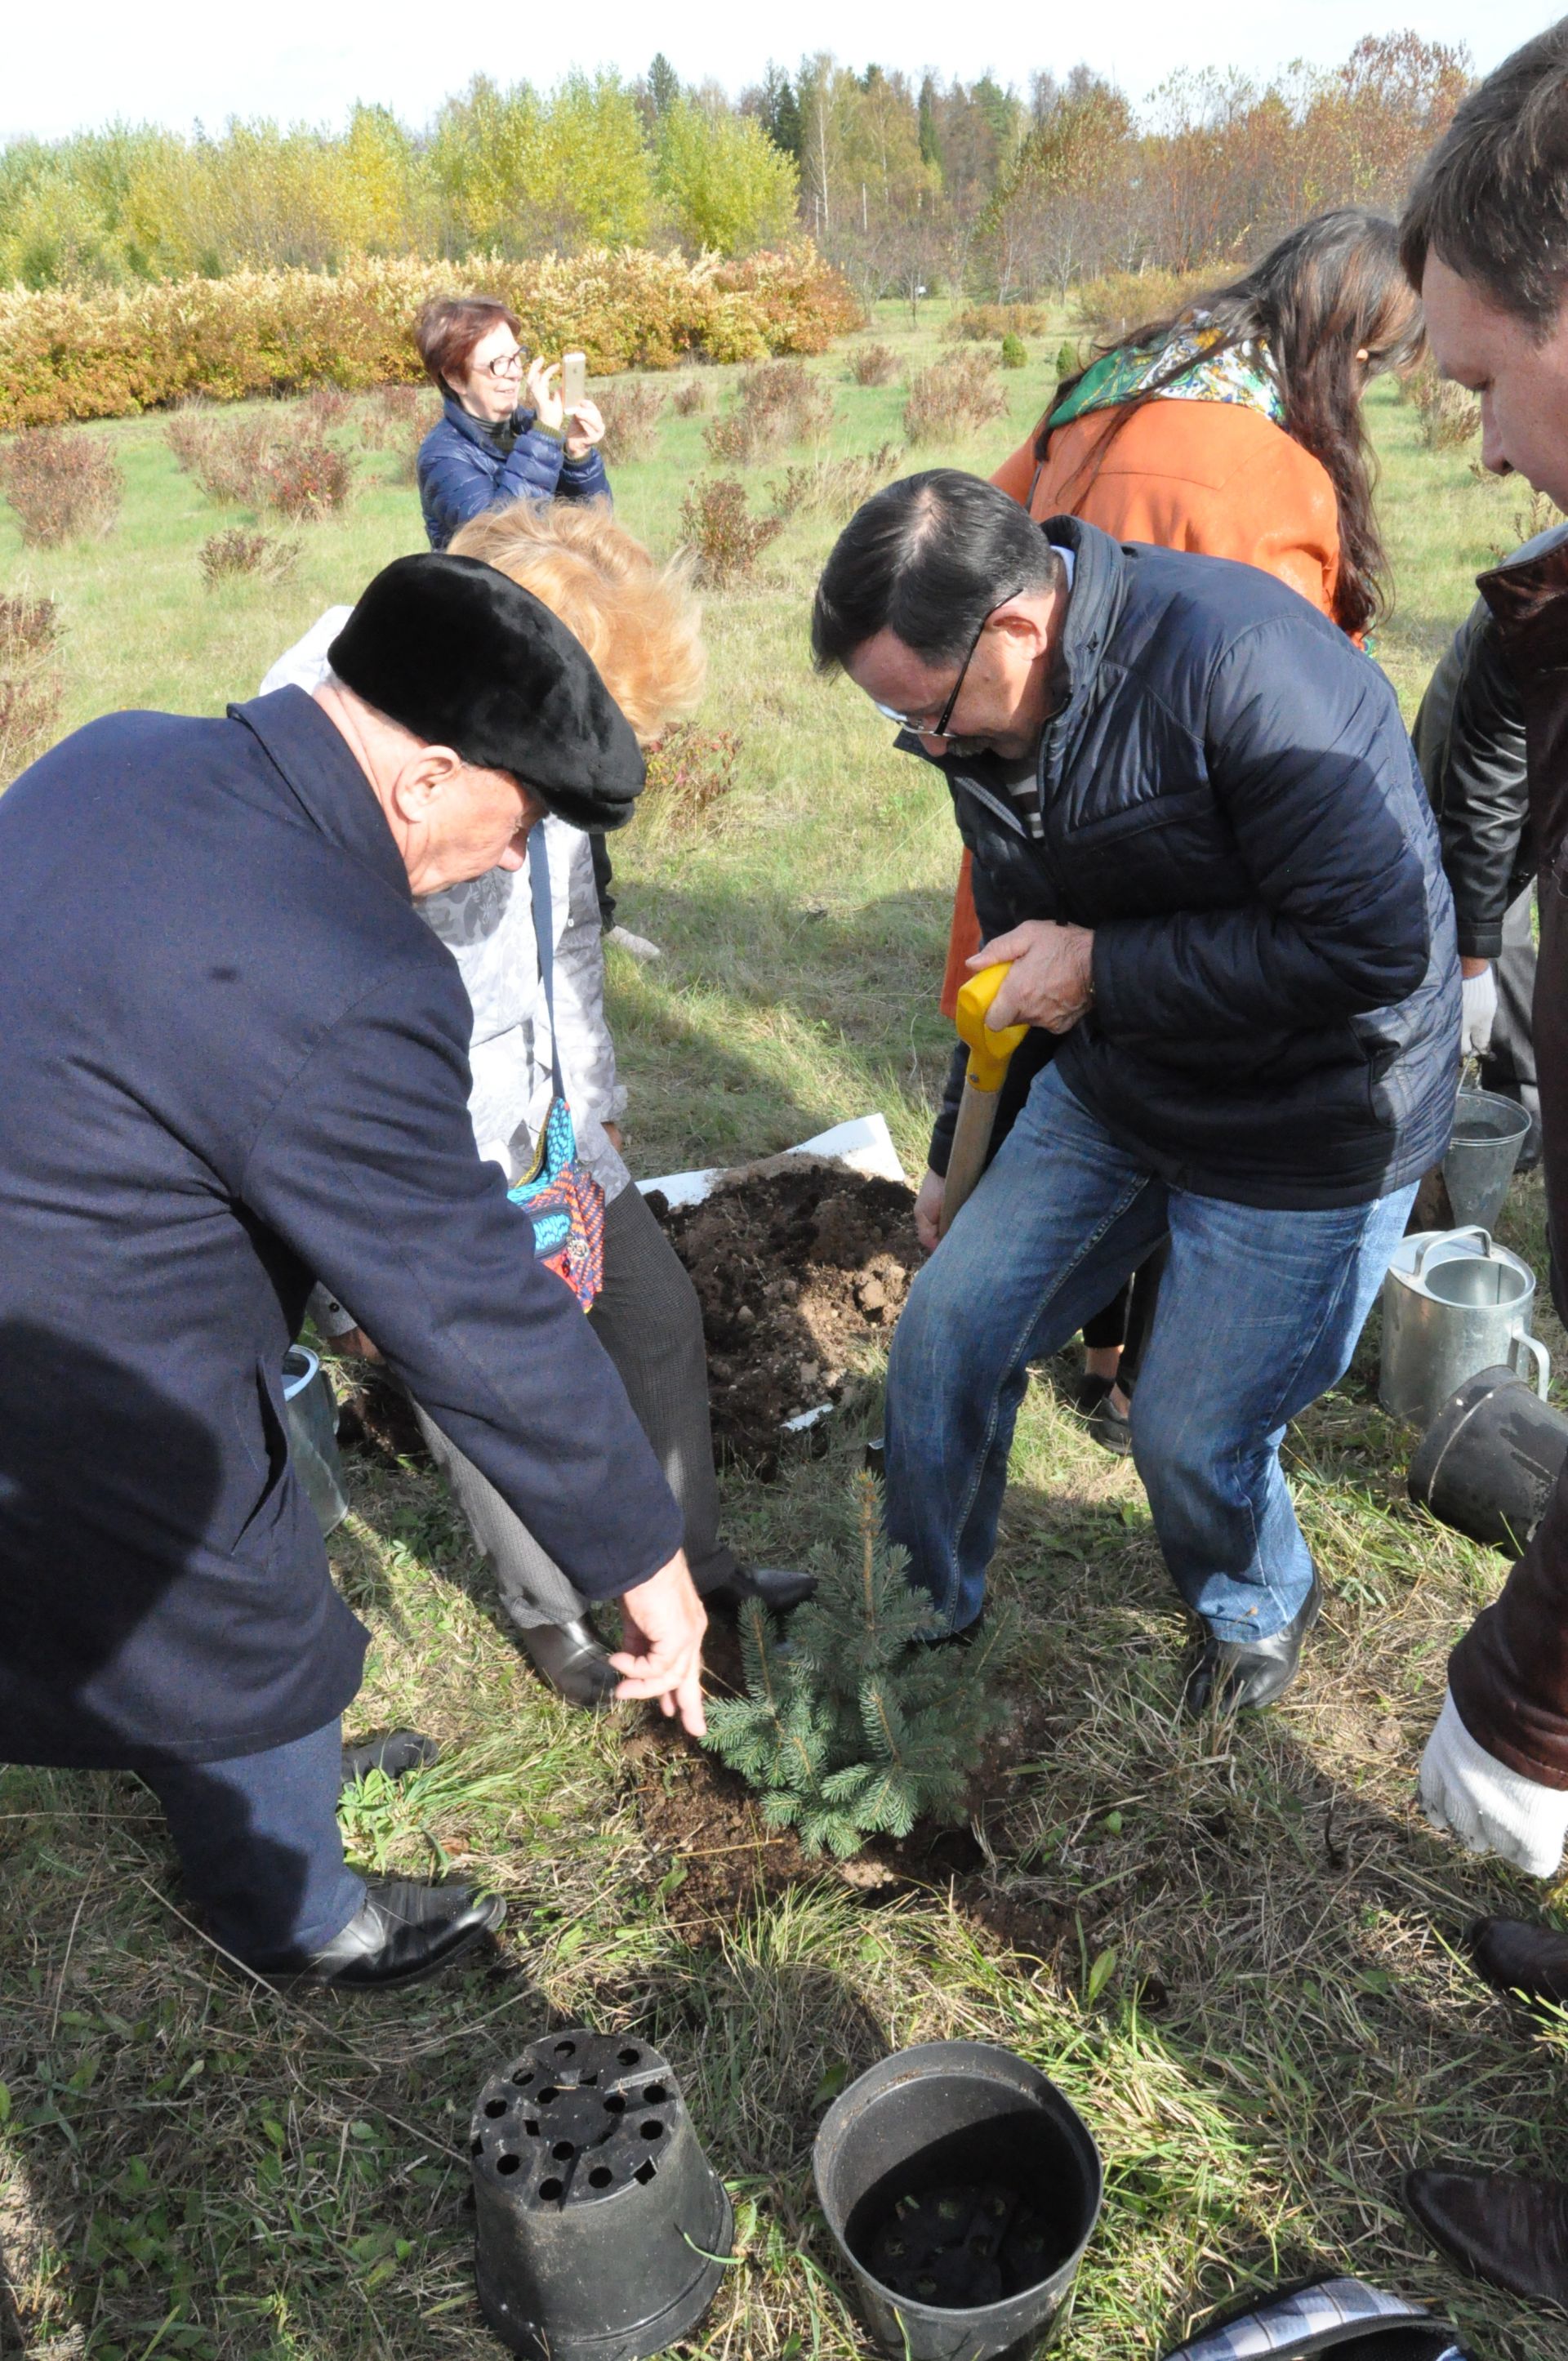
x=107, y=353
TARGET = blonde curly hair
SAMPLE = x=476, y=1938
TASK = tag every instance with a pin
x=638, y=619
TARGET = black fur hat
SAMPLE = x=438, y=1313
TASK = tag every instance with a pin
x=464, y=657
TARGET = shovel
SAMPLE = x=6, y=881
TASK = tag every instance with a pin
x=989, y=1057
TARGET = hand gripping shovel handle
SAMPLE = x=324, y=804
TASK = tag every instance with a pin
x=989, y=1056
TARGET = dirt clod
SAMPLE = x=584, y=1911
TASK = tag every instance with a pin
x=795, y=1269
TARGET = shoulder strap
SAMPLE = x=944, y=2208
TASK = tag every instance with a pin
x=544, y=936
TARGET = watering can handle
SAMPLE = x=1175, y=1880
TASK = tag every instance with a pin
x=1471, y=1230
x=1533, y=1350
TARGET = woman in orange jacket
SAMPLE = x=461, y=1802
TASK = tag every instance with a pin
x=1232, y=429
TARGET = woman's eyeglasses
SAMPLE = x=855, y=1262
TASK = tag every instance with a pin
x=940, y=727
x=507, y=365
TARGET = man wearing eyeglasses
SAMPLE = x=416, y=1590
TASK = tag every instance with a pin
x=1201, y=841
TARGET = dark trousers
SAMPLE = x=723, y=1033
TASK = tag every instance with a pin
x=1509, y=1066
x=649, y=1320
x=259, y=1842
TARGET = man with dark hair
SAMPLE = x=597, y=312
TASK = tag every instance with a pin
x=232, y=1056
x=1201, y=844
x=1484, y=240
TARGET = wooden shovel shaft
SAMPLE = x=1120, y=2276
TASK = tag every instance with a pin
x=971, y=1140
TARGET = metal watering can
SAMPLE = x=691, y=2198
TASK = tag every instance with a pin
x=1454, y=1304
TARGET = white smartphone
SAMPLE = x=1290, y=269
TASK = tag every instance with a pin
x=574, y=380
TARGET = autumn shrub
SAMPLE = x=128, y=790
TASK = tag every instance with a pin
x=109, y=352
x=303, y=476
x=240, y=551
x=1537, y=512
x=836, y=488
x=631, y=413
x=28, y=628
x=1122, y=299
x=873, y=365
x=1446, y=415
x=61, y=486
x=723, y=536
x=954, y=396
x=774, y=405
x=29, y=717
x=689, y=770
x=983, y=323
x=327, y=406
x=689, y=398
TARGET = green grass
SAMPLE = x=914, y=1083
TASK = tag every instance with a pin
x=1234, y=1947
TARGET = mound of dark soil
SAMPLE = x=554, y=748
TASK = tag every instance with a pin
x=793, y=1268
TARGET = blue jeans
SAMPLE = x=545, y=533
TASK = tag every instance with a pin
x=258, y=1843
x=1258, y=1314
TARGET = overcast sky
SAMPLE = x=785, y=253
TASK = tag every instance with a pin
x=177, y=61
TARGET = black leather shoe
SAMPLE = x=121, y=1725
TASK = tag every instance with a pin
x=570, y=1658
x=1240, y=1676
x=1499, y=2226
x=779, y=1587
x=401, y=1932
x=398, y=1751
x=1513, y=1956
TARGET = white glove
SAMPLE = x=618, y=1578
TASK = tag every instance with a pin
x=1479, y=1011
x=1487, y=1806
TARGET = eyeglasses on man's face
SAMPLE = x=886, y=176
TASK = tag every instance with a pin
x=940, y=727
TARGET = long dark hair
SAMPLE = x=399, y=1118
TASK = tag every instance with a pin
x=1333, y=287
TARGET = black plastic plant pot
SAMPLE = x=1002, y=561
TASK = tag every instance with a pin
x=1488, y=1462
x=602, y=2227
x=963, y=2190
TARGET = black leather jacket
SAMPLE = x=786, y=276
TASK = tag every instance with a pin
x=1470, y=743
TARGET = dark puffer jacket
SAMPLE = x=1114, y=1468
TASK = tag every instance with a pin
x=466, y=467
x=1231, y=802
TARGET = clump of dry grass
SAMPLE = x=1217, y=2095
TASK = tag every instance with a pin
x=397, y=419
x=690, y=770
x=281, y=460
x=689, y=398
x=28, y=627
x=631, y=413
x=1448, y=415
x=873, y=364
x=836, y=488
x=239, y=551
x=32, y=692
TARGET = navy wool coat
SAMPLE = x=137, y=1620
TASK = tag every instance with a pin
x=233, y=1058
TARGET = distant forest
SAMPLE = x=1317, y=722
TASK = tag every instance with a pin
x=1012, y=193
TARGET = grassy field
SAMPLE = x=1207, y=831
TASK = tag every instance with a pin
x=1234, y=1947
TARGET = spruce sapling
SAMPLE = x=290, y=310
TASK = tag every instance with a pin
x=853, y=1727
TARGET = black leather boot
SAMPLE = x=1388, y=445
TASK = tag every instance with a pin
x=1240, y=1676
x=1513, y=1956
x=401, y=1932
x=570, y=1658
x=1499, y=2226
x=779, y=1587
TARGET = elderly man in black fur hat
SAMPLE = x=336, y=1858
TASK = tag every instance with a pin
x=232, y=1059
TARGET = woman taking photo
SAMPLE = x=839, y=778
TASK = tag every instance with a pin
x=1233, y=428
x=488, y=448
x=537, y=1038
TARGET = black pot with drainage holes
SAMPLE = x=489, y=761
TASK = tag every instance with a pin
x=603, y=2229
x=962, y=2189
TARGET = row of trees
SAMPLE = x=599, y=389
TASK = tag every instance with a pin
x=907, y=185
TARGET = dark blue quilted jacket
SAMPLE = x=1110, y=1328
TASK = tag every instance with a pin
x=465, y=468
x=1231, y=802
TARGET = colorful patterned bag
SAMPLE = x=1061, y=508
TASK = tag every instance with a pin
x=560, y=1194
